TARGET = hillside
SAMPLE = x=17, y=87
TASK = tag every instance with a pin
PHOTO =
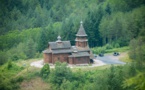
x=31, y=24
x=26, y=27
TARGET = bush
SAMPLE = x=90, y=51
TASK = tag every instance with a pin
x=20, y=79
x=60, y=73
x=108, y=46
x=7, y=72
x=117, y=45
x=66, y=85
x=15, y=57
x=45, y=71
x=38, y=55
x=3, y=57
x=98, y=50
x=9, y=64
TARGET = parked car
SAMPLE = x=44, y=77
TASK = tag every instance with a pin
x=115, y=54
x=101, y=54
x=91, y=61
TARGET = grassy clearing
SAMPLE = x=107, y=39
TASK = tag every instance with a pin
x=93, y=68
x=125, y=57
x=26, y=62
x=31, y=79
x=122, y=49
x=104, y=49
x=12, y=74
x=34, y=84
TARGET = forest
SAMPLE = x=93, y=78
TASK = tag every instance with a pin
x=26, y=27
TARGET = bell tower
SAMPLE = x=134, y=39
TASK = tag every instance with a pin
x=81, y=37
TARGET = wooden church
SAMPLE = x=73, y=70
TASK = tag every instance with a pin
x=63, y=51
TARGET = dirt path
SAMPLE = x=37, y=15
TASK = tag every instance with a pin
x=40, y=64
x=99, y=61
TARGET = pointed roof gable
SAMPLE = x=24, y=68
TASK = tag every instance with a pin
x=81, y=31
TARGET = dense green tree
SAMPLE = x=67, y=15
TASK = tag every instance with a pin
x=137, y=53
x=17, y=52
x=136, y=82
x=42, y=42
x=30, y=49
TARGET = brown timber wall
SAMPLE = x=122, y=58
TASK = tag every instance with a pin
x=47, y=58
x=60, y=58
x=81, y=60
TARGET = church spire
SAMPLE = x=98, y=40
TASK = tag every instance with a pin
x=81, y=37
x=81, y=31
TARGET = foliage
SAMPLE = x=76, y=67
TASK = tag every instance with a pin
x=60, y=73
x=136, y=82
x=9, y=64
x=7, y=79
x=98, y=50
x=137, y=53
x=45, y=71
x=111, y=49
x=121, y=49
x=3, y=57
x=108, y=46
x=107, y=79
x=117, y=45
x=27, y=26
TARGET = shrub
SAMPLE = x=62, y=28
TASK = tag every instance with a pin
x=38, y=55
x=60, y=73
x=9, y=64
x=98, y=50
x=15, y=57
x=20, y=79
x=117, y=45
x=45, y=71
x=3, y=57
x=108, y=46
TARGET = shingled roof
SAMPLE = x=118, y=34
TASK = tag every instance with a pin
x=79, y=54
x=62, y=45
x=47, y=51
x=81, y=31
x=61, y=51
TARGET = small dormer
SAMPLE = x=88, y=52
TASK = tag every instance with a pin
x=59, y=39
x=59, y=42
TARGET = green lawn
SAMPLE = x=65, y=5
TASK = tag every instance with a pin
x=122, y=49
x=104, y=49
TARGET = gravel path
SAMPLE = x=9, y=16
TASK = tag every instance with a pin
x=110, y=59
x=99, y=61
x=40, y=64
